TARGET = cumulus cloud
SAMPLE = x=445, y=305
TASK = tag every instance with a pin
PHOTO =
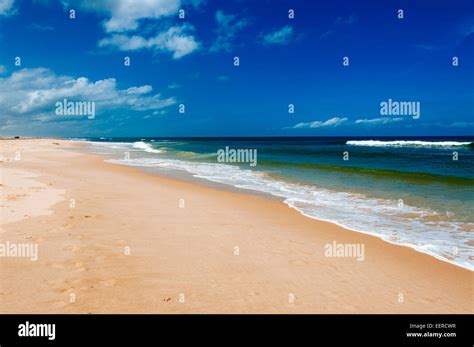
x=176, y=40
x=30, y=95
x=332, y=122
x=125, y=15
x=228, y=25
x=280, y=36
x=6, y=7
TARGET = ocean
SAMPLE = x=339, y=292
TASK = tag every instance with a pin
x=415, y=192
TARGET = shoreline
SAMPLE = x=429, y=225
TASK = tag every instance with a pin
x=184, y=174
x=280, y=250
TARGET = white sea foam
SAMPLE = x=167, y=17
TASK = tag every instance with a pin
x=145, y=147
x=133, y=146
x=111, y=145
x=376, y=143
x=379, y=217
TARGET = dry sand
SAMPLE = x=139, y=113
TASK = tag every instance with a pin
x=124, y=245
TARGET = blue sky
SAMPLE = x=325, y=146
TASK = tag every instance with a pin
x=190, y=61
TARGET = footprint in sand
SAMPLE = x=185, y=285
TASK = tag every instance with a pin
x=14, y=197
x=66, y=290
x=91, y=216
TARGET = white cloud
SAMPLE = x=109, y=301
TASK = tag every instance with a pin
x=336, y=121
x=6, y=7
x=176, y=39
x=227, y=28
x=332, y=122
x=278, y=37
x=382, y=120
x=127, y=26
x=30, y=95
x=125, y=15
x=125, y=43
x=139, y=90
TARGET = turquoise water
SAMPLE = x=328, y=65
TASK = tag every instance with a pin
x=406, y=191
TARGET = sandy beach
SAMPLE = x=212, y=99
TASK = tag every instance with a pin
x=113, y=239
